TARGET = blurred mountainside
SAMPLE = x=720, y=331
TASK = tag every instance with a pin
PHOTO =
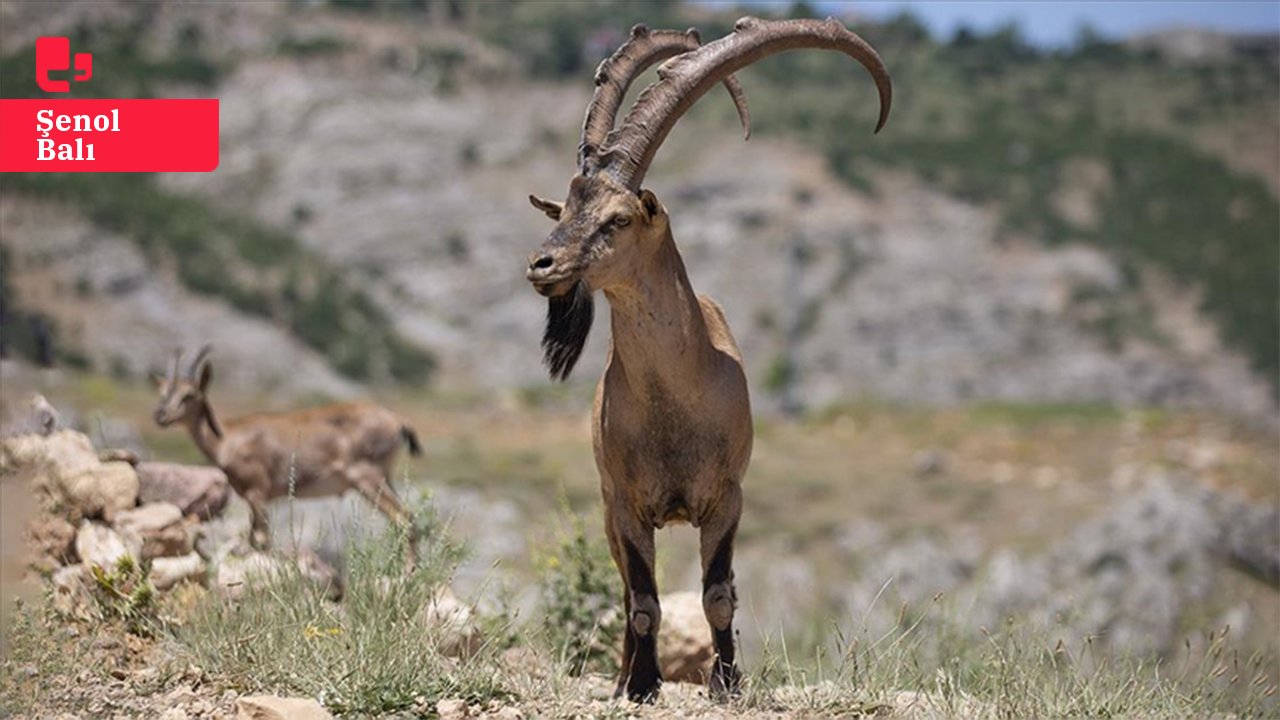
x=1098, y=224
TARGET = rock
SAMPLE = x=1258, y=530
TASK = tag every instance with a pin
x=235, y=573
x=269, y=707
x=928, y=463
x=196, y=489
x=124, y=455
x=52, y=541
x=459, y=636
x=915, y=705
x=522, y=658
x=685, y=650
x=226, y=534
x=1250, y=537
x=174, y=714
x=321, y=572
x=452, y=709
x=167, y=572
x=97, y=544
x=43, y=415
x=70, y=594
x=181, y=695
x=157, y=530
x=68, y=477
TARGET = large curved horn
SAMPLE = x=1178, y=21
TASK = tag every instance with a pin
x=685, y=78
x=615, y=74
x=201, y=357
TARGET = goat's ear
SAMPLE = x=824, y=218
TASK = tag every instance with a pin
x=206, y=376
x=160, y=380
x=650, y=202
x=550, y=208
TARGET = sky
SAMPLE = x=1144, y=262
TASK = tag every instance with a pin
x=1054, y=23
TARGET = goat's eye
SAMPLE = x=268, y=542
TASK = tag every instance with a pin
x=621, y=221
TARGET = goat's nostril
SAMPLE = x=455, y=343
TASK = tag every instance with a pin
x=542, y=262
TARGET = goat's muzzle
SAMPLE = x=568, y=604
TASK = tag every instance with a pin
x=549, y=278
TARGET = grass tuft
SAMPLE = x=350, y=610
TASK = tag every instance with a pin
x=379, y=651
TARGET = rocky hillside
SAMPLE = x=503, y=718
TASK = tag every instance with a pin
x=394, y=152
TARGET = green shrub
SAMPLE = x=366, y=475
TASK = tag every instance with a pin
x=125, y=593
x=230, y=256
x=581, y=601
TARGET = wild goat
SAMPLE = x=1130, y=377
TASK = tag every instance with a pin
x=671, y=424
x=311, y=453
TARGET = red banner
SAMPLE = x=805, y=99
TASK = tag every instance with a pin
x=108, y=135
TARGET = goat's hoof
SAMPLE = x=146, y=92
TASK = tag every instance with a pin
x=644, y=695
x=643, y=687
x=725, y=683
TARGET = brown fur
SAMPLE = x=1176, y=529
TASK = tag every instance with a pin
x=319, y=452
x=671, y=424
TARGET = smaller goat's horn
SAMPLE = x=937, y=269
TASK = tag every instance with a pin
x=173, y=364
x=201, y=357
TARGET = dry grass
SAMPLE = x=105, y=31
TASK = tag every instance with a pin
x=1016, y=475
x=374, y=656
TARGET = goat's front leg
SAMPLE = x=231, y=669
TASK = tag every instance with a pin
x=634, y=556
x=719, y=597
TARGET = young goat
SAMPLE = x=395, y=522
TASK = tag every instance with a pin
x=320, y=452
x=672, y=422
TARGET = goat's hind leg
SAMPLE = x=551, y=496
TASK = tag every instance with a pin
x=370, y=481
x=260, y=527
x=719, y=597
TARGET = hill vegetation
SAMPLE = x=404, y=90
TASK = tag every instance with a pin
x=1104, y=143
x=993, y=120
x=259, y=270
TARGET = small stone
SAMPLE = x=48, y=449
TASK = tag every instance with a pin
x=235, y=573
x=685, y=650
x=99, y=545
x=459, y=637
x=156, y=530
x=452, y=709
x=167, y=572
x=928, y=463
x=174, y=713
x=198, y=490
x=270, y=707
x=70, y=591
x=106, y=643
x=53, y=542
x=181, y=695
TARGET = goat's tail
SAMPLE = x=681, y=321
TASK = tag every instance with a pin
x=411, y=439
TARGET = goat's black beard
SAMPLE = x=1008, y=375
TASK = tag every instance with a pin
x=568, y=324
